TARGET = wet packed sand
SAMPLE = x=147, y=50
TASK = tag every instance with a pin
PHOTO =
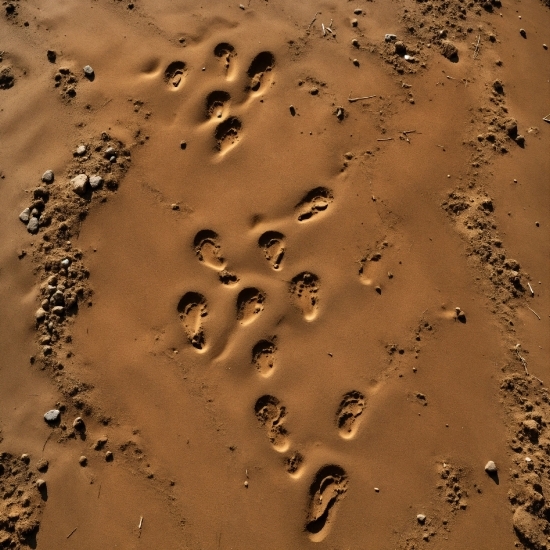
x=286, y=285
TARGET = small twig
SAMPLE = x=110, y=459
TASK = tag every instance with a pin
x=385, y=139
x=538, y=316
x=531, y=288
x=107, y=102
x=477, y=46
x=450, y=77
x=140, y=522
x=408, y=132
x=324, y=31
x=522, y=359
x=546, y=118
x=313, y=20
x=442, y=147
x=71, y=533
x=47, y=439
x=354, y=99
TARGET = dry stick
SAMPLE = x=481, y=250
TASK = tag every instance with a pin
x=47, y=439
x=477, y=46
x=534, y=313
x=313, y=20
x=354, y=99
x=386, y=139
x=408, y=132
x=531, y=288
x=524, y=363
x=140, y=522
x=324, y=32
x=546, y=118
x=69, y=535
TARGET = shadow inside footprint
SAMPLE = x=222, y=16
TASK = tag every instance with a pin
x=225, y=51
x=215, y=102
x=270, y=414
x=328, y=487
x=261, y=64
x=263, y=356
x=250, y=303
x=227, y=132
x=208, y=250
x=294, y=462
x=174, y=73
x=304, y=290
x=192, y=308
x=315, y=201
x=273, y=245
x=350, y=409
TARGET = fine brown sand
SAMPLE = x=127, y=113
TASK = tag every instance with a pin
x=308, y=301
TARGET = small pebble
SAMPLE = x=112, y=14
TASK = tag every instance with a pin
x=390, y=37
x=32, y=226
x=40, y=314
x=48, y=176
x=88, y=71
x=108, y=456
x=52, y=416
x=51, y=55
x=95, y=182
x=83, y=461
x=358, y=11
x=354, y=22
x=81, y=150
x=78, y=423
x=25, y=458
x=356, y=62
x=25, y=215
x=65, y=263
x=241, y=6
x=42, y=465
x=292, y=110
x=537, y=224
x=376, y=490
x=183, y=145
x=523, y=33
x=246, y=484
x=545, y=46
x=491, y=467
x=175, y=206
x=109, y=152
x=355, y=42
x=528, y=460
x=40, y=484
x=421, y=518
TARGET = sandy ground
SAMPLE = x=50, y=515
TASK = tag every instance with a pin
x=293, y=290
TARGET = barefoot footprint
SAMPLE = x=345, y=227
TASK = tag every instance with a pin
x=263, y=356
x=216, y=103
x=208, y=250
x=174, y=73
x=328, y=488
x=304, y=290
x=250, y=303
x=225, y=52
x=227, y=133
x=261, y=64
x=192, y=309
x=270, y=414
x=273, y=245
x=349, y=412
x=315, y=201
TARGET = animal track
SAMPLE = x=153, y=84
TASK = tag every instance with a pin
x=270, y=414
x=350, y=409
x=225, y=52
x=260, y=65
x=273, y=245
x=250, y=303
x=208, y=250
x=174, y=73
x=215, y=104
x=192, y=308
x=304, y=290
x=328, y=488
x=263, y=357
x=315, y=201
x=227, y=133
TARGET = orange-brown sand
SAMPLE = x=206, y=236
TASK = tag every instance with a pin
x=288, y=287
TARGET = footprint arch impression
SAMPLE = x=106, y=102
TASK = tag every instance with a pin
x=192, y=309
x=313, y=203
x=208, y=250
x=271, y=414
x=349, y=413
x=250, y=303
x=328, y=488
x=304, y=293
x=273, y=245
x=263, y=63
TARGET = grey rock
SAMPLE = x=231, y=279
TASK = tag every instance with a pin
x=58, y=310
x=96, y=182
x=57, y=298
x=88, y=71
x=25, y=215
x=52, y=416
x=491, y=467
x=81, y=150
x=110, y=152
x=65, y=263
x=32, y=226
x=35, y=213
x=48, y=176
x=390, y=37
x=80, y=184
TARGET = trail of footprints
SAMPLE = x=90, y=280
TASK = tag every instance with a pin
x=330, y=483
x=217, y=103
